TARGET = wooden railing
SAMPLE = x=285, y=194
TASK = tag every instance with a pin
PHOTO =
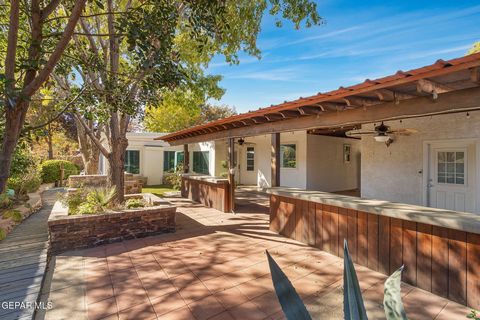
x=441, y=260
x=211, y=192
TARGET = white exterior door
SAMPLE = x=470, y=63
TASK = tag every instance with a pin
x=452, y=176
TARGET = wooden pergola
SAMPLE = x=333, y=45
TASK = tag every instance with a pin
x=443, y=87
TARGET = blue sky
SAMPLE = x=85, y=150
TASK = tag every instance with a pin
x=360, y=39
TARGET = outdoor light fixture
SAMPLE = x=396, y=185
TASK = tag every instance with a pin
x=241, y=141
x=382, y=138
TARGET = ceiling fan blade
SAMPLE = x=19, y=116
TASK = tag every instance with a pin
x=403, y=132
x=349, y=133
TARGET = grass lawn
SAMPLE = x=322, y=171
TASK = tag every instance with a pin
x=158, y=190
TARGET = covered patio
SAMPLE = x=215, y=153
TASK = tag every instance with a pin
x=214, y=267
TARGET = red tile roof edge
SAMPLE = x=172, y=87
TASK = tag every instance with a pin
x=440, y=67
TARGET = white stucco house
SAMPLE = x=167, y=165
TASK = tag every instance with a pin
x=437, y=166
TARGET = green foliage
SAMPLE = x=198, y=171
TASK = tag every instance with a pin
x=90, y=201
x=74, y=199
x=3, y=234
x=392, y=299
x=353, y=306
x=473, y=315
x=174, y=179
x=50, y=170
x=29, y=182
x=5, y=201
x=135, y=203
x=14, y=215
x=292, y=304
x=158, y=190
x=475, y=48
x=22, y=160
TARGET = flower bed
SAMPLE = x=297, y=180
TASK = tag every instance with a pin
x=69, y=232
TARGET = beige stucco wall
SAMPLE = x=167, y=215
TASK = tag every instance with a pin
x=326, y=169
x=396, y=173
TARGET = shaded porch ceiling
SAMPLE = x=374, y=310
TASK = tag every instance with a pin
x=439, y=88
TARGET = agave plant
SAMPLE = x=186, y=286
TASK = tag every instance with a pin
x=353, y=306
x=103, y=196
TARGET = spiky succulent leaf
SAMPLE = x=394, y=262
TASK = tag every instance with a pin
x=292, y=304
x=353, y=307
x=392, y=298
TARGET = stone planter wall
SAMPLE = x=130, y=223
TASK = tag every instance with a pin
x=133, y=184
x=84, y=231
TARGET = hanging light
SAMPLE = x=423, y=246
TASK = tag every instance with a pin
x=381, y=137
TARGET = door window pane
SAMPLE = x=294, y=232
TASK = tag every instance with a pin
x=168, y=161
x=132, y=161
x=288, y=156
x=451, y=167
x=250, y=158
x=200, y=162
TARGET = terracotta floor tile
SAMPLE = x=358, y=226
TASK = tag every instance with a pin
x=167, y=303
x=231, y=297
x=183, y=280
x=206, y=308
x=420, y=304
x=217, y=284
x=225, y=315
x=252, y=289
x=129, y=285
x=101, y=309
x=99, y=293
x=144, y=312
x=453, y=311
x=194, y=292
x=183, y=314
x=247, y=310
x=128, y=300
x=268, y=303
x=158, y=288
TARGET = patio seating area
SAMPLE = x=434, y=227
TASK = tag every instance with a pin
x=214, y=267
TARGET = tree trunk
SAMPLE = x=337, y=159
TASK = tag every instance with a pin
x=89, y=151
x=116, y=174
x=15, y=117
x=116, y=159
x=49, y=141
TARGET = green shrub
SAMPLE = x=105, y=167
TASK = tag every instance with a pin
x=174, y=179
x=3, y=234
x=50, y=170
x=22, y=160
x=73, y=200
x=14, y=215
x=89, y=201
x=5, y=201
x=25, y=183
x=135, y=203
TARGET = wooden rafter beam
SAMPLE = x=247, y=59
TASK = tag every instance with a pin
x=431, y=87
x=289, y=113
x=274, y=116
x=455, y=101
x=310, y=110
x=390, y=95
x=354, y=101
x=333, y=106
x=259, y=119
x=475, y=75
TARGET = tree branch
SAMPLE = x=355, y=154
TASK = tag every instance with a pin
x=31, y=128
x=11, y=50
x=49, y=9
x=89, y=132
x=43, y=75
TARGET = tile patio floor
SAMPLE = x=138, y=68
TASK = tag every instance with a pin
x=214, y=267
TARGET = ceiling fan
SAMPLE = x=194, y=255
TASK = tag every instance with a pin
x=382, y=133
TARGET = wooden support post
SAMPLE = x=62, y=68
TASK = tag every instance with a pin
x=276, y=159
x=231, y=171
x=186, y=159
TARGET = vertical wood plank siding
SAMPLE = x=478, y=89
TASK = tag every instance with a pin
x=210, y=194
x=439, y=260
